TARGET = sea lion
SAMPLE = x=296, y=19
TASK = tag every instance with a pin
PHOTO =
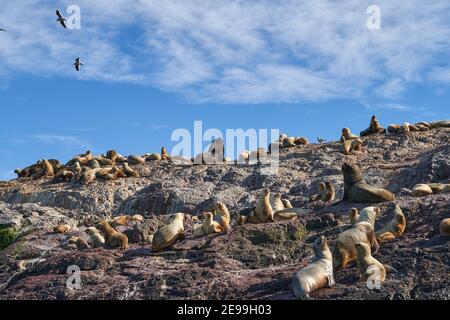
x=282, y=137
x=349, y=146
x=421, y=190
x=76, y=168
x=353, y=215
x=164, y=154
x=289, y=142
x=135, y=160
x=344, y=251
x=276, y=203
x=439, y=187
x=128, y=171
x=247, y=215
x=89, y=176
x=318, y=274
x=104, y=161
x=153, y=157
x=440, y=124
x=121, y=220
x=394, y=228
x=373, y=128
x=62, y=228
x=368, y=266
x=97, y=240
x=347, y=135
x=47, y=169
x=244, y=156
x=263, y=210
x=94, y=164
x=320, y=195
x=113, y=238
x=112, y=155
x=169, y=234
x=209, y=226
x=79, y=242
x=444, y=227
x=404, y=128
x=290, y=213
x=356, y=190
x=222, y=215
x=63, y=175
x=137, y=217
x=301, y=141
x=393, y=128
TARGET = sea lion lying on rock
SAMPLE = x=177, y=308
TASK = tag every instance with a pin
x=394, y=228
x=356, y=190
x=373, y=128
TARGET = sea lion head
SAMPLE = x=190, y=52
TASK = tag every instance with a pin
x=320, y=248
x=178, y=216
x=345, y=131
x=369, y=214
x=329, y=185
x=352, y=173
x=266, y=192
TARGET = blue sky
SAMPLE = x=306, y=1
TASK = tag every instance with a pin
x=307, y=68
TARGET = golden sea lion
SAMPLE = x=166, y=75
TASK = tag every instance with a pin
x=153, y=157
x=349, y=146
x=79, y=242
x=330, y=192
x=301, y=141
x=421, y=190
x=276, y=202
x=263, y=210
x=62, y=228
x=128, y=171
x=394, y=228
x=164, y=154
x=318, y=274
x=222, y=216
x=347, y=135
x=344, y=251
x=321, y=195
x=374, y=128
x=169, y=234
x=113, y=238
x=368, y=266
x=209, y=226
x=112, y=155
x=356, y=190
x=135, y=160
x=287, y=204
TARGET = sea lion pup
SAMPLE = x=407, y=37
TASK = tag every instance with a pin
x=113, y=238
x=97, y=239
x=112, y=155
x=347, y=135
x=349, y=146
x=263, y=210
x=62, y=228
x=421, y=190
x=394, y=228
x=209, y=226
x=128, y=171
x=164, y=154
x=276, y=203
x=169, y=234
x=356, y=190
x=344, y=251
x=289, y=142
x=287, y=204
x=373, y=128
x=222, y=216
x=135, y=160
x=353, y=215
x=318, y=274
x=320, y=195
x=368, y=266
x=444, y=227
x=301, y=141
x=80, y=243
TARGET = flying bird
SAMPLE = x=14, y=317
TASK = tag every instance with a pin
x=320, y=140
x=2, y=30
x=77, y=64
x=61, y=19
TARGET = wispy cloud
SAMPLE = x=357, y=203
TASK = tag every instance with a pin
x=240, y=51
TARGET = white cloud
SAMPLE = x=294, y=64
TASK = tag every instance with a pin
x=240, y=51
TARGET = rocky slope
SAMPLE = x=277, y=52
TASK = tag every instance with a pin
x=251, y=262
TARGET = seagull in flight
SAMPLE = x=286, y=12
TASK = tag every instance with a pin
x=61, y=19
x=77, y=64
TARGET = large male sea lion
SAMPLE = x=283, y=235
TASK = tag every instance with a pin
x=318, y=274
x=356, y=190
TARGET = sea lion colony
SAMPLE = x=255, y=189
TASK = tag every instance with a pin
x=358, y=244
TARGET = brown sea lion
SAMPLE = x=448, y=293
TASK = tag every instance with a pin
x=394, y=228
x=169, y=234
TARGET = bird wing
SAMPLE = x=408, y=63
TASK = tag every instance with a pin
x=63, y=23
x=77, y=60
x=59, y=14
x=77, y=67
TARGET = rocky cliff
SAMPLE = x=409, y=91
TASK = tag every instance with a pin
x=251, y=261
